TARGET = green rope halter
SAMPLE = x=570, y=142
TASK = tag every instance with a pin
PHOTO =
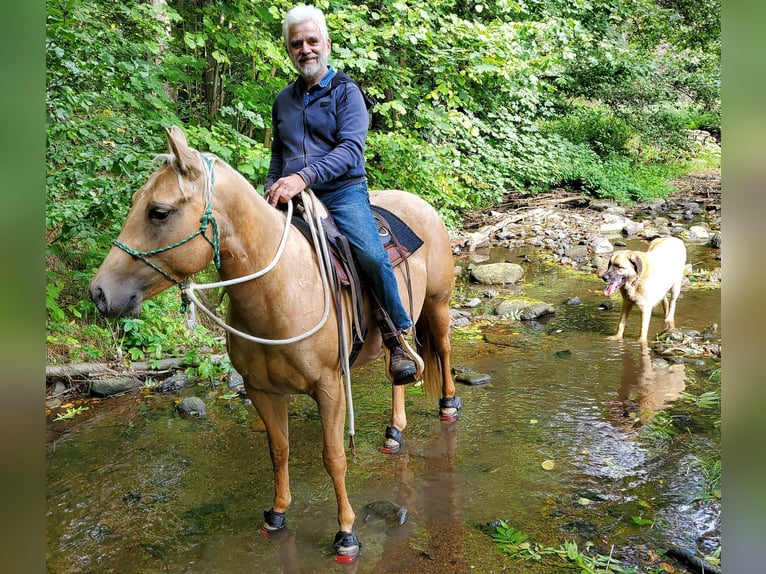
x=206, y=219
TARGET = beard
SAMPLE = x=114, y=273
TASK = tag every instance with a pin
x=311, y=69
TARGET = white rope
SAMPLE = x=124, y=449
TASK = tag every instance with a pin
x=323, y=259
x=318, y=241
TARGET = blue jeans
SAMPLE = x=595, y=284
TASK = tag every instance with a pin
x=350, y=208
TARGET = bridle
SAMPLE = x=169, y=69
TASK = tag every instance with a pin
x=207, y=219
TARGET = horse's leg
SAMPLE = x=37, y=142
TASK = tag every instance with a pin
x=436, y=334
x=273, y=411
x=393, y=439
x=332, y=413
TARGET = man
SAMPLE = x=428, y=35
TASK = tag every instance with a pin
x=319, y=134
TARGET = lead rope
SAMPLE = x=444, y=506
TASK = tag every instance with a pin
x=342, y=339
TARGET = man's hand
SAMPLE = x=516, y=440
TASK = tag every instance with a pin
x=285, y=188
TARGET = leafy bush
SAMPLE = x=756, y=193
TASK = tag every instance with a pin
x=600, y=129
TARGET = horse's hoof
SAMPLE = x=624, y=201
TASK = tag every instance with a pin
x=449, y=407
x=273, y=522
x=393, y=441
x=347, y=547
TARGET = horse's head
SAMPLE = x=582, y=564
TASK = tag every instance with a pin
x=168, y=235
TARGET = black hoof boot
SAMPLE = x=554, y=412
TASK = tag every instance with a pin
x=347, y=547
x=448, y=408
x=393, y=442
x=273, y=522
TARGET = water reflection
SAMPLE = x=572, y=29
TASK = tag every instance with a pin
x=647, y=385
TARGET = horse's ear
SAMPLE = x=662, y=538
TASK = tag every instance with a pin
x=187, y=162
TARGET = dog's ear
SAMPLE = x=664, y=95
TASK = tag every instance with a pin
x=637, y=261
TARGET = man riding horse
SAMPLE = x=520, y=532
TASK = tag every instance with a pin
x=320, y=128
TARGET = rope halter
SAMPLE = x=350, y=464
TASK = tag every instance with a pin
x=207, y=219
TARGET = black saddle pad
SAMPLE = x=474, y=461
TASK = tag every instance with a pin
x=403, y=233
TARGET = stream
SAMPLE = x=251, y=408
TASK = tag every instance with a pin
x=576, y=437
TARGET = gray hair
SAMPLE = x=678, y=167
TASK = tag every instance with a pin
x=301, y=14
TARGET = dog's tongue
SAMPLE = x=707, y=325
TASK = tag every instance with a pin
x=611, y=288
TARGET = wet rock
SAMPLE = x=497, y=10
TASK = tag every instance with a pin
x=235, y=379
x=578, y=253
x=606, y=305
x=497, y=273
x=392, y=513
x=459, y=318
x=475, y=302
x=574, y=301
x=523, y=308
x=173, y=383
x=191, y=407
x=715, y=240
x=109, y=387
x=470, y=377
x=563, y=354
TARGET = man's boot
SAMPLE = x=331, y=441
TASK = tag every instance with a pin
x=403, y=364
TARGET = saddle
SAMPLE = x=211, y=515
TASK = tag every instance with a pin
x=399, y=242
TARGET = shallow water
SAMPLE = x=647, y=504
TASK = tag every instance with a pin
x=134, y=488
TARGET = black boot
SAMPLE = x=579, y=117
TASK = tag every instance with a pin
x=401, y=368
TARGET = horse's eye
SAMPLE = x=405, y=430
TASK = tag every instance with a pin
x=158, y=213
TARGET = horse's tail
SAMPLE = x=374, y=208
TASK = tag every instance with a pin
x=432, y=365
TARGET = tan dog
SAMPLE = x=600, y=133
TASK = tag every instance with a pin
x=644, y=279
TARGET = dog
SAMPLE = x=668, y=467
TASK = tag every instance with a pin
x=644, y=279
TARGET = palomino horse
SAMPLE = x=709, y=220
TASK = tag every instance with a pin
x=196, y=209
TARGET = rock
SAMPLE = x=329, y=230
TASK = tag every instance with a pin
x=109, y=387
x=234, y=379
x=523, y=309
x=612, y=223
x=459, y=318
x=698, y=233
x=173, y=383
x=469, y=377
x=191, y=407
x=574, y=301
x=715, y=240
x=578, y=253
x=392, y=513
x=497, y=273
x=471, y=303
x=632, y=227
x=600, y=245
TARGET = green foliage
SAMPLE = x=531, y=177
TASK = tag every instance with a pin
x=600, y=129
x=516, y=544
x=71, y=413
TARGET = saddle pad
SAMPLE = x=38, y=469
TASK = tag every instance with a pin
x=403, y=233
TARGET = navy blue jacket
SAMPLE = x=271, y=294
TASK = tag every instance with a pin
x=322, y=140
